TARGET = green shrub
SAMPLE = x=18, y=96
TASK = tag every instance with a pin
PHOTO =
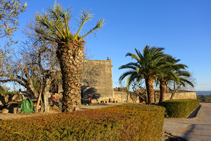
x=5, y=92
x=125, y=122
x=180, y=108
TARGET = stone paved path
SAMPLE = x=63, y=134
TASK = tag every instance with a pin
x=192, y=129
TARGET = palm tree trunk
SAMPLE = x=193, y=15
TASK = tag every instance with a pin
x=150, y=90
x=71, y=56
x=162, y=91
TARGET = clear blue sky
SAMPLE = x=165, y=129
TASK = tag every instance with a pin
x=182, y=27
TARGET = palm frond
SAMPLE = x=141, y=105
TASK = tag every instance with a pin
x=126, y=74
x=99, y=24
x=84, y=18
x=183, y=81
x=130, y=65
x=131, y=79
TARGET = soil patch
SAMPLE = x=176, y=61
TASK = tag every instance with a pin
x=11, y=116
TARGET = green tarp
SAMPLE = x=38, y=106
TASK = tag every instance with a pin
x=27, y=106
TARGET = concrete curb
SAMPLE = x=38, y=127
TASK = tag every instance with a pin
x=194, y=114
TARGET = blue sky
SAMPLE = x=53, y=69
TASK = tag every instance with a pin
x=182, y=27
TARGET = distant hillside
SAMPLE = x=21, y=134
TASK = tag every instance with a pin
x=203, y=92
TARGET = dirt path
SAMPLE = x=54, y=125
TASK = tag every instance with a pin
x=11, y=116
x=193, y=129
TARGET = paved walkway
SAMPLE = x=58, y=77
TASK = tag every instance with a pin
x=192, y=129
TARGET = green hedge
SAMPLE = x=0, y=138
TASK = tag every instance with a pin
x=4, y=92
x=122, y=123
x=180, y=108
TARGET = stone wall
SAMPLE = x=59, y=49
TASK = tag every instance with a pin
x=182, y=95
x=97, y=79
x=122, y=96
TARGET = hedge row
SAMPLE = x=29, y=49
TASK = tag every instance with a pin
x=4, y=92
x=180, y=108
x=125, y=122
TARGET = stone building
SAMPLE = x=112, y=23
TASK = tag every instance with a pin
x=98, y=80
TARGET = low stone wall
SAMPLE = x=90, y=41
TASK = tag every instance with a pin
x=122, y=96
x=182, y=95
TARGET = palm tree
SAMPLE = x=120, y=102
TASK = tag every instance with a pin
x=53, y=25
x=146, y=67
x=167, y=73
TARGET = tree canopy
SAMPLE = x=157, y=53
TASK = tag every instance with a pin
x=9, y=12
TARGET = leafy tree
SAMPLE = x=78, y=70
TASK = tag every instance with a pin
x=139, y=90
x=204, y=98
x=36, y=66
x=146, y=67
x=183, y=81
x=70, y=50
x=9, y=12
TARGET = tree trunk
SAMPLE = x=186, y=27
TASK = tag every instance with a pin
x=150, y=90
x=46, y=93
x=174, y=92
x=162, y=91
x=71, y=56
x=38, y=102
x=46, y=104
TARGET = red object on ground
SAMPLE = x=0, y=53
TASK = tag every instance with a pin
x=57, y=98
x=90, y=99
x=53, y=99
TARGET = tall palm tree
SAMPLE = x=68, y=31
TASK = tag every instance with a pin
x=167, y=73
x=53, y=25
x=146, y=67
x=171, y=72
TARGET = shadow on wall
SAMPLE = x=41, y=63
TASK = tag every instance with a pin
x=90, y=90
x=90, y=78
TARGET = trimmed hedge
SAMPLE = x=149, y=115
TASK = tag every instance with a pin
x=180, y=108
x=124, y=122
x=4, y=92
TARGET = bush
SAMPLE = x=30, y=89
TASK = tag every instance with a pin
x=125, y=122
x=5, y=92
x=204, y=98
x=180, y=108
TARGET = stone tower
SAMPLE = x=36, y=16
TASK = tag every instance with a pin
x=97, y=79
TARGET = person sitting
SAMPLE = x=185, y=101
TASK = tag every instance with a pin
x=20, y=93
